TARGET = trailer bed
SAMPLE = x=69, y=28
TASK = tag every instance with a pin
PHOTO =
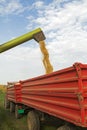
x=62, y=94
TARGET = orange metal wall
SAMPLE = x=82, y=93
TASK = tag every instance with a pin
x=62, y=94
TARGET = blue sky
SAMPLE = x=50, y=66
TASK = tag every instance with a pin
x=64, y=23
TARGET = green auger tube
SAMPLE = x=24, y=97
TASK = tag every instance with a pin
x=36, y=34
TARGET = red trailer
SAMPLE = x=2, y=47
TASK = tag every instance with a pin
x=61, y=94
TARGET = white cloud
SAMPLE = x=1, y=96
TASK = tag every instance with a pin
x=10, y=7
x=21, y=62
x=65, y=25
x=1, y=1
x=38, y=4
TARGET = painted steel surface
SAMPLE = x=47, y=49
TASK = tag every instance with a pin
x=11, y=93
x=14, y=92
x=62, y=94
x=36, y=34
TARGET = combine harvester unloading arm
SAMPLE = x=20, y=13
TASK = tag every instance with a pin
x=37, y=35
